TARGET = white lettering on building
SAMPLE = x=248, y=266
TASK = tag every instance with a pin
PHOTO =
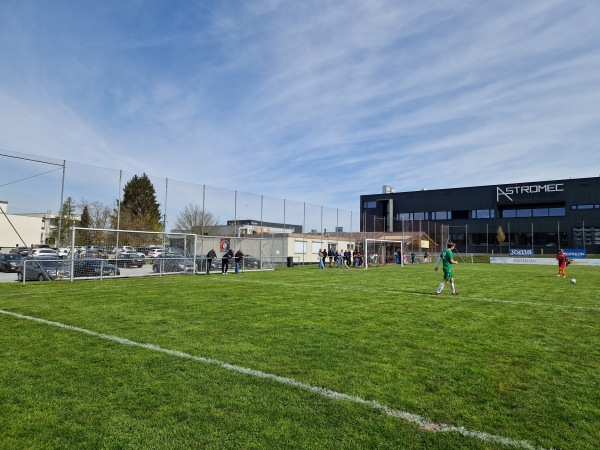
x=509, y=191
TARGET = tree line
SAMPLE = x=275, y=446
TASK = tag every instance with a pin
x=138, y=210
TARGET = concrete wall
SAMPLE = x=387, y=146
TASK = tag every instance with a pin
x=31, y=230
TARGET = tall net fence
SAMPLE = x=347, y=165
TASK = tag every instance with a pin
x=42, y=200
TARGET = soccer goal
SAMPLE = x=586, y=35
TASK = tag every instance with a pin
x=383, y=251
x=96, y=252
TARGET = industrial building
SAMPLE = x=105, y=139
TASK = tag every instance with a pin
x=538, y=215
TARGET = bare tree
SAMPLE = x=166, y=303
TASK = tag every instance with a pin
x=100, y=214
x=193, y=219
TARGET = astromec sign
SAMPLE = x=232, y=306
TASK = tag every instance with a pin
x=509, y=191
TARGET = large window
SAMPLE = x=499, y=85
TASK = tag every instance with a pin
x=482, y=214
x=412, y=216
x=582, y=207
x=440, y=215
x=587, y=235
x=370, y=205
x=558, y=211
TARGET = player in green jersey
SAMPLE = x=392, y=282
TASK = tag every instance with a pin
x=447, y=259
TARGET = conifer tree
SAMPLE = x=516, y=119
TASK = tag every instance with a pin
x=139, y=208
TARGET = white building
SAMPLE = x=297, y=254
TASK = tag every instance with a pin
x=22, y=230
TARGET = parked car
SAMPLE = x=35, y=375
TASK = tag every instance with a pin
x=155, y=252
x=63, y=252
x=23, y=251
x=123, y=249
x=201, y=261
x=9, y=262
x=93, y=249
x=88, y=267
x=42, y=269
x=130, y=259
x=172, y=262
x=43, y=252
x=250, y=262
x=89, y=254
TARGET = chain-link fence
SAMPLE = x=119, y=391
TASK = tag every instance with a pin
x=42, y=200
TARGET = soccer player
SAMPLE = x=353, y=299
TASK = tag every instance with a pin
x=562, y=259
x=447, y=259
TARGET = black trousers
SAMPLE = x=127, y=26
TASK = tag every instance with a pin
x=224, y=265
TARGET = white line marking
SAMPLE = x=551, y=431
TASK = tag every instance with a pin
x=422, y=421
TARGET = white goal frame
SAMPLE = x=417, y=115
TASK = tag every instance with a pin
x=380, y=253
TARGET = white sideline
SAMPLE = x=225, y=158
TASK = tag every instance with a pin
x=422, y=421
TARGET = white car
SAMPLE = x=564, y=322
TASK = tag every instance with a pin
x=63, y=252
x=43, y=252
x=155, y=253
x=124, y=249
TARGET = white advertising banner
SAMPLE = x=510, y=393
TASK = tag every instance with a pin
x=543, y=261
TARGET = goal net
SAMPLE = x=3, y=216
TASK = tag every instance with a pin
x=382, y=251
x=109, y=252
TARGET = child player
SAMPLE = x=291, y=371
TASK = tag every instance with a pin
x=447, y=260
x=563, y=260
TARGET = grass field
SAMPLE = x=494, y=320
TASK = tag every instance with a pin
x=304, y=358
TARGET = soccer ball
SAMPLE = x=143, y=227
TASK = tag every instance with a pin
x=573, y=281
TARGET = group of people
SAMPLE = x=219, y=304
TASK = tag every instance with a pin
x=238, y=258
x=340, y=258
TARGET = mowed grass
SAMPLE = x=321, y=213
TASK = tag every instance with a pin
x=514, y=360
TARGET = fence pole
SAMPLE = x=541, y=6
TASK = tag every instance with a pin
x=62, y=193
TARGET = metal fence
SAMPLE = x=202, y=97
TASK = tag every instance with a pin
x=33, y=186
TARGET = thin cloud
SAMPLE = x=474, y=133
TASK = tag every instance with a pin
x=310, y=101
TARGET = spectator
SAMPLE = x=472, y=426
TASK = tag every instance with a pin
x=225, y=261
x=239, y=259
x=209, y=259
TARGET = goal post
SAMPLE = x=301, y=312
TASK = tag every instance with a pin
x=130, y=252
x=383, y=251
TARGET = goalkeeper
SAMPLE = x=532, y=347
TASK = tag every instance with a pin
x=563, y=261
x=447, y=259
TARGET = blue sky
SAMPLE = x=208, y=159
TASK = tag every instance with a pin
x=312, y=101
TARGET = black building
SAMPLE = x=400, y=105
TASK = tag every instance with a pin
x=540, y=215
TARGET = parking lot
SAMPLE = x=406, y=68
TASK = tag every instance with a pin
x=125, y=272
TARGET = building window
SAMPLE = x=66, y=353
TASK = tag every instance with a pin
x=403, y=216
x=299, y=246
x=585, y=207
x=524, y=212
x=509, y=213
x=439, y=215
x=556, y=212
x=419, y=216
x=370, y=205
x=482, y=214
